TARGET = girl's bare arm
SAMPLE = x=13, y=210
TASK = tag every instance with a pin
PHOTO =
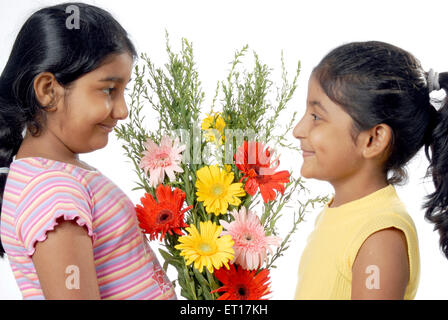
x=381, y=267
x=65, y=265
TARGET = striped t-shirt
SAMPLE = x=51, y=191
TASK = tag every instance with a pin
x=38, y=191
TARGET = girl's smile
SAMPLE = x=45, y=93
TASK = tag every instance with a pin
x=107, y=127
x=306, y=153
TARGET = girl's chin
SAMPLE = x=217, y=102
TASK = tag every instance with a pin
x=308, y=173
x=98, y=143
x=305, y=173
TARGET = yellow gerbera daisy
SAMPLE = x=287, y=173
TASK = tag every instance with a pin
x=214, y=121
x=206, y=248
x=216, y=189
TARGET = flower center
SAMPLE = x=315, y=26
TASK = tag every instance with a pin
x=205, y=248
x=164, y=216
x=242, y=291
x=248, y=237
x=217, y=190
x=163, y=159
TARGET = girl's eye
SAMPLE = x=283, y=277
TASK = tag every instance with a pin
x=108, y=91
x=315, y=117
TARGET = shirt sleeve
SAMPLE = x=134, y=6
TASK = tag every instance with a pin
x=47, y=197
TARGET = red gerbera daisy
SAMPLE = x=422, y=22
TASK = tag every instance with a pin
x=164, y=215
x=256, y=164
x=240, y=284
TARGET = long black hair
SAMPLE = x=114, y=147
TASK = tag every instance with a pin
x=68, y=40
x=376, y=82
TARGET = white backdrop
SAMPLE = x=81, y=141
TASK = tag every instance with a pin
x=305, y=31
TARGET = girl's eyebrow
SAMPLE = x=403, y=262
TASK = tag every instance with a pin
x=114, y=79
x=318, y=104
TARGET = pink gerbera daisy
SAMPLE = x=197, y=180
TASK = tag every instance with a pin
x=250, y=242
x=161, y=160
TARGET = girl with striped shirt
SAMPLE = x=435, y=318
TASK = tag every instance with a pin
x=68, y=231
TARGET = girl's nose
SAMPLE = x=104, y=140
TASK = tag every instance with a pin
x=299, y=131
x=120, y=111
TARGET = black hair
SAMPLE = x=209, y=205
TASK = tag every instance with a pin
x=379, y=83
x=51, y=41
x=436, y=204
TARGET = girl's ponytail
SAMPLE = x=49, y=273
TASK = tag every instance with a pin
x=11, y=127
x=436, y=204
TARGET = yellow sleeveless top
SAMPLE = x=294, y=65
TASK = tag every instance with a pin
x=325, y=270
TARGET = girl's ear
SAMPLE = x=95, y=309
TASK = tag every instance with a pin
x=376, y=142
x=47, y=90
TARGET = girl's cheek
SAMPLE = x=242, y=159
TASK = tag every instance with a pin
x=100, y=110
x=108, y=106
x=318, y=140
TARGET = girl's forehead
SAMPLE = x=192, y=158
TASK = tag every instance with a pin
x=317, y=105
x=319, y=101
x=317, y=97
x=117, y=68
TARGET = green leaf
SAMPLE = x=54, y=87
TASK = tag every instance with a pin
x=204, y=284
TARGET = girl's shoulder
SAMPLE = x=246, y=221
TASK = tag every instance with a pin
x=392, y=211
x=41, y=162
x=32, y=166
x=38, y=192
x=26, y=172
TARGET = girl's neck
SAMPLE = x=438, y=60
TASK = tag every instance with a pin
x=356, y=188
x=47, y=146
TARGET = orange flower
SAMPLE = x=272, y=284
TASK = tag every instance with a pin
x=256, y=164
x=164, y=215
x=240, y=284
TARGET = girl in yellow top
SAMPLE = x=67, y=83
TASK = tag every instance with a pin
x=368, y=113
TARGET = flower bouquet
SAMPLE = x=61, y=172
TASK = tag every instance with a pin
x=212, y=190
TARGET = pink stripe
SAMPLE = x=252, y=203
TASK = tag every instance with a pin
x=29, y=237
x=43, y=190
x=99, y=188
x=18, y=169
x=122, y=288
x=13, y=190
x=116, y=266
x=122, y=222
x=109, y=205
x=40, y=219
x=106, y=250
x=43, y=195
x=27, y=286
x=122, y=264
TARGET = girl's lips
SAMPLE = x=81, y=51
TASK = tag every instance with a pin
x=306, y=153
x=106, y=128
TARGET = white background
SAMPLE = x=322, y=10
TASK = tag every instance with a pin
x=304, y=30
